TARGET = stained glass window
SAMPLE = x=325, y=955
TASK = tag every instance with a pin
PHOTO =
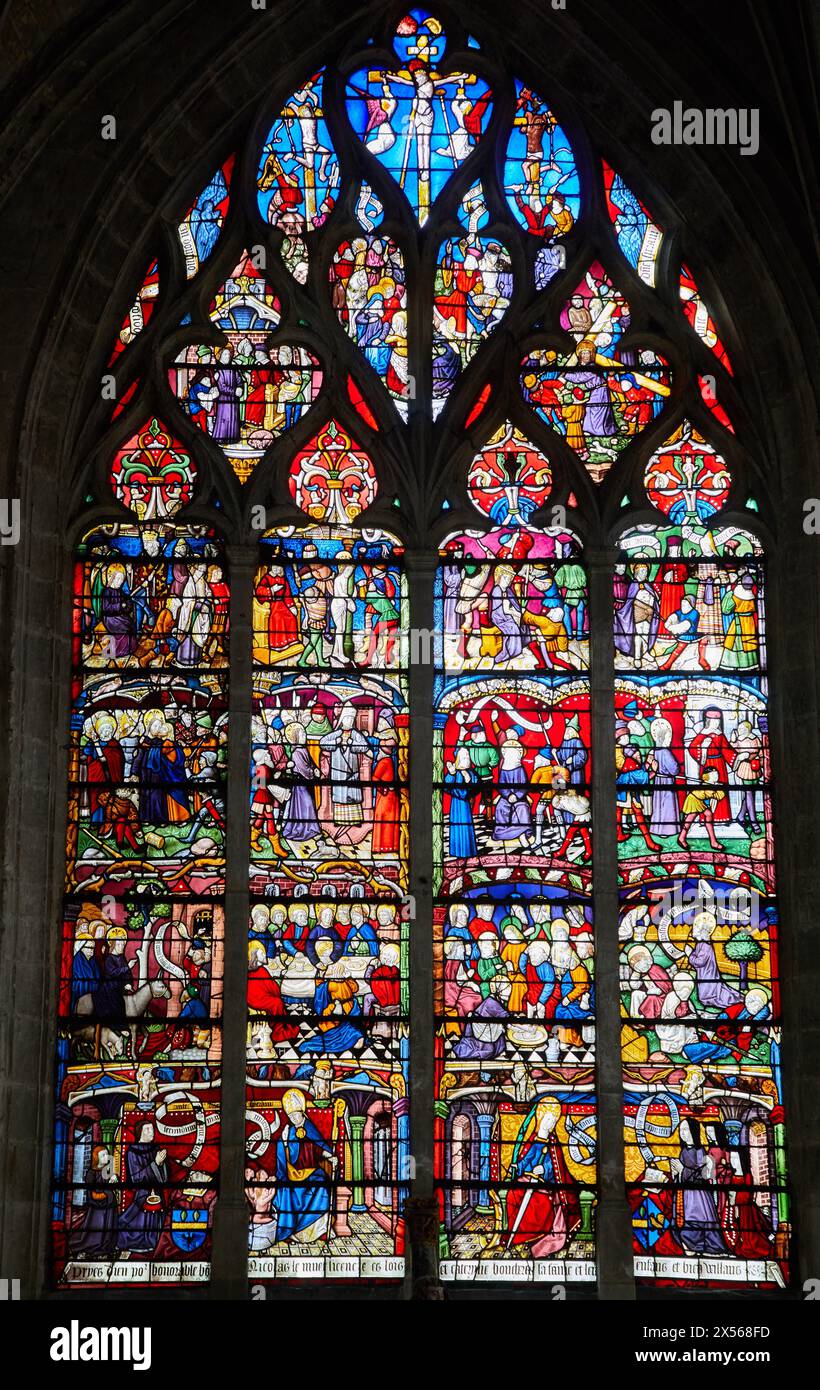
x=703, y=1109
x=327, y=945
x=369, y=293
x=418, y=118
x=136, y=1150
x=699, y=316
x=200, y=228
x=247, y=392
x=600, y=394
x=639, y=238
x=140, y=311
x=513, y=939
x=404, y=356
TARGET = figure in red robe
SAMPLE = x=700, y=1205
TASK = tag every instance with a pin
x=264, y=995
x=387, y=806
x=712, y=750
x=283, y=629
x=746, y=1228
x=542, y=1209
x=104, y=766
x=255, y=399
x=460, y=283
x=672, y=583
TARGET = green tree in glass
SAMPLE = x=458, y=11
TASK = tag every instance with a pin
x=746, y=951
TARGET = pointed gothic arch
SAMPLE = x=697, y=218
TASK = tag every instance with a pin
x=394, y=435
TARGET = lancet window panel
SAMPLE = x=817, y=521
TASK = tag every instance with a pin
x=137, y=1122
x=701, y=1037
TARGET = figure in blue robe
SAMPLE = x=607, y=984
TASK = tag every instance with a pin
x=160, y=767
x=193, y=1006
x=573, y=755
x=462, y=830
x=206, y=218
x=303, y=1191
x=567, y=1008
x=85, y=977
x=536, y=1154
x=344, y=1035
x=361, y=941
x=323, y=933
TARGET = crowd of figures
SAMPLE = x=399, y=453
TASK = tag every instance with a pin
x=327, y=1057
x=508, y=969
x=336, y=601
x=499, y=608
x=601, y=394
x=143, y=982
x=137, y=1127
x=247, y=390
x=159, y=608
x=701, y=777
x=137, y=1137
x=322, y=978
x=141, y=1200
x=369, y=295
x=518, y=785
x=147, y=796
x=473, y=287
x=328, y=784
x=149, y=721
x=687, y=976
x=705, y=1161
x=714, y=1211
x=676, y=616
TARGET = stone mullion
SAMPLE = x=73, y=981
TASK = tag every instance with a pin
x=229, y=1270
x=614, y=1233
x=422, y=1223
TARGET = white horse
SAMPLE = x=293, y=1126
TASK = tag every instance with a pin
x=134, y=1006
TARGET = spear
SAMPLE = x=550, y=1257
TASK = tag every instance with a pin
x=338, y=1111
x=519, y=1216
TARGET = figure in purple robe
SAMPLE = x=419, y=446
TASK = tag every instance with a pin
x=226, y=415
x=371, y=334
x=159, y=764
x=665, y=819
x=300, y=821
x=712, y=992
x=700, y=1230
x=513, y=817
x=109, y=996
x=665, y=809
x=637, y=619
x=483, y=1037
x=140, y=1225
x=505, y=614
x=118, y=614
x=446, y=368
x=599, y=420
